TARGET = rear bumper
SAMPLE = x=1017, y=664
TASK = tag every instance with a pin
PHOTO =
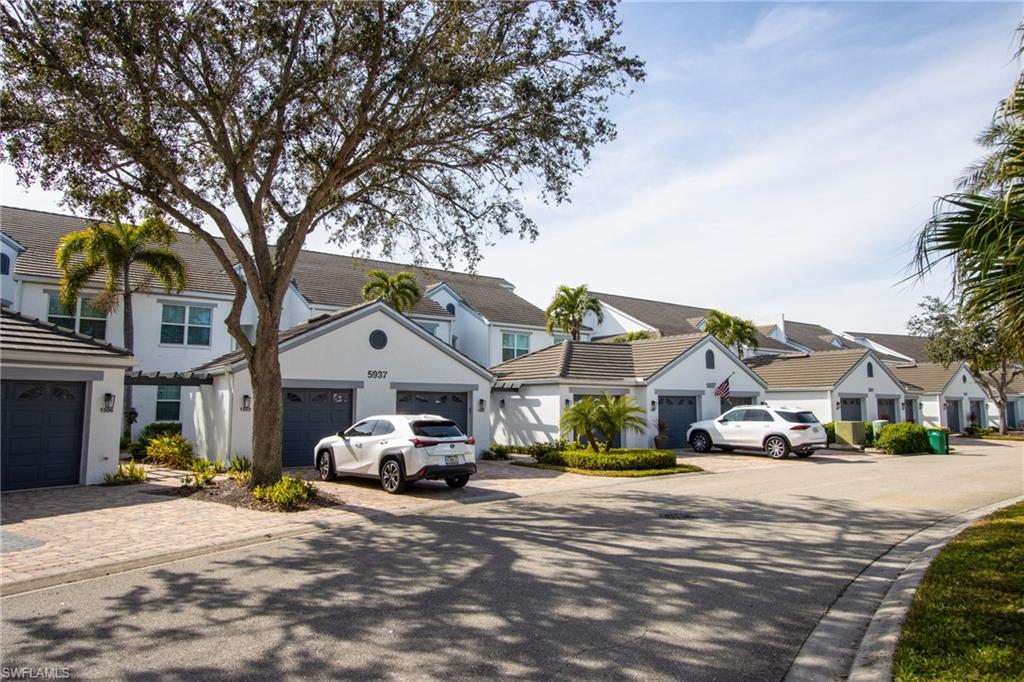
x=807, y=447
x=437, y=471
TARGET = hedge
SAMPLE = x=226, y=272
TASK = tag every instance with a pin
x=619, y=459
x=902, y=439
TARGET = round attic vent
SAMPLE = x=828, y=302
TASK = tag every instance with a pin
x=378, y=339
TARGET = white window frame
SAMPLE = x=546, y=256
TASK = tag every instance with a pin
x=76, y=316
x=186, y=324
x=176, y=401
x=429, y=327
x=517, y=352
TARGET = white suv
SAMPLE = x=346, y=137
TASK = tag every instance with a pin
x=776, y=430
x=399, y=449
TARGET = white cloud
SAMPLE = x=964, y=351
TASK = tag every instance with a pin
x=789, y=23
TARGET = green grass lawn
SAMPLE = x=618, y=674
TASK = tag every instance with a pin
x=621, y=473
x=966, y=621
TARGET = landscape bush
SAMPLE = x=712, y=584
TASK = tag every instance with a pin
x=495, y=452
x=619, y=459
x=128, y=473
x=902, y=439
x=287, y=493
x=830, y=432
x=202, y=473
x=149, y=432
x=976, y=430
x=240, y=469
x=171, y=450
x=869, y=433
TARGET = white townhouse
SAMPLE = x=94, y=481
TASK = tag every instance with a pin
x=624, y=314
x=338, y=368
x=673, y=378
x=947, y=396
x=479, y=317
x=837, y=385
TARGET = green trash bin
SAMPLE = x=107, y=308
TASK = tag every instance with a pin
x=938, y=441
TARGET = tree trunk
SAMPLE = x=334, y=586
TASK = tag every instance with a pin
x=129, y=343
x=267, y=405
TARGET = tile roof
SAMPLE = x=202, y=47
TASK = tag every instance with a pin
x=807, y=370
x=928, y=377
x=19, y=332
x=671, y=319
x=913, y=347
x=814, y=337
x=323, y=278
x=598, y=361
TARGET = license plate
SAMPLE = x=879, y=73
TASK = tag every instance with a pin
x=451, y=459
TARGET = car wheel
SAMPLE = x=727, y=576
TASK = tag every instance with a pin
x=325, y=466
x=777, y=447
x=700, y=442
x=805, y=454
x=392, y=478
x=457, y=481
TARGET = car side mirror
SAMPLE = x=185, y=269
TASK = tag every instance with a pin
x=722, y=421
x=341, y=434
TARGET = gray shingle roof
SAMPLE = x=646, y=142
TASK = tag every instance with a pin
x=814, y=337
x=323, y=278
x=671, y=319
x=807, y=370
x=914, y=347
x=598, y=361
x=21, y=333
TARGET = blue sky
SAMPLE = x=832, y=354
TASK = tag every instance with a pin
x=778, y=159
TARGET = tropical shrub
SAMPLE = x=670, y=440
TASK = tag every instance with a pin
x=202, y=473
x=127, y=473
x=496, y=451
x=287, y=493
x=830, y=432
x=869, y=433
x=618, y=459
x=151, y=431
x=618, y=414
x=583, y=419
x=172, y=451
x=239, y=464
x=903, y=438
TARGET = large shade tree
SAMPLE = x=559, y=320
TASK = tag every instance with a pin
x=405, y=123
x=961, y=333
x=568, y=309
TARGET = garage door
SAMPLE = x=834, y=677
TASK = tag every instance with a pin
x=953, y=415
x=1011, y=414
x=454, y=406
x=41, y=442
x=678, y=412
x=309, y=415
x=887, y=409
x=850, y=410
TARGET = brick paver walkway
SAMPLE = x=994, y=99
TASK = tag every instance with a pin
x=49, y=533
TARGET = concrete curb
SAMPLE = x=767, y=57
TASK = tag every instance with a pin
x=856, y=638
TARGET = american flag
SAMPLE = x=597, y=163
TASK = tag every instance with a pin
x=723, y=389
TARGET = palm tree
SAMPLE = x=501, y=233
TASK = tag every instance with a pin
x=617, y=414
x=980, y=229
x=400, y=291
x=582, y=419
x=568, y=308
x=732, y=331
x=112, y=249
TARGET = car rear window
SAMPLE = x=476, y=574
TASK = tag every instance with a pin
x=799, y=417
x=437, y=429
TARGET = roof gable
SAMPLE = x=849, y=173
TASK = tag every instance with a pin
x=815, y=337
x=807, y=370
x=913, y=347
x=927, y=377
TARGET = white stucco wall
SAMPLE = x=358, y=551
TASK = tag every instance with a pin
x=819, y=402
x=858, y=384
x=345, y=354
x=8, y=286
x=470, y=330
x=614, y=323
x=530, y=416
x=539, y=339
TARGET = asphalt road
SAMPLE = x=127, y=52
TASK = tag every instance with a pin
x=595, y=584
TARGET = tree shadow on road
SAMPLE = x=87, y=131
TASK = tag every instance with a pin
x=626, y=583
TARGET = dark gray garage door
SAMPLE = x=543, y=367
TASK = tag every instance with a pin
x=678, y=412
x=850, y=410
x=953, y=415
x=887, y=409
x=1011, y=414
x=41, y=442
x=454, y=406
x=309, y=415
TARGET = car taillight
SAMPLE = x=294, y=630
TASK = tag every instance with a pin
x=471, y=441
x=799, y=427
x=422, y=443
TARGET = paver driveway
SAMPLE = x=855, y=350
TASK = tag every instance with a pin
x=594, y=583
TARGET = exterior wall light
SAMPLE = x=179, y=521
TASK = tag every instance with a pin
x=654, y=405
x=482, y=404
x=568, y=402
x=108, y=402
x=246, y=403
x=501, y=403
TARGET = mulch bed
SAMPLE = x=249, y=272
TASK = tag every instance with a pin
x=235, y=494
